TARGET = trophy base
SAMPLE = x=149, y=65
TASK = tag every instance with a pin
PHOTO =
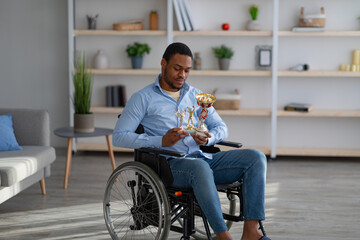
x=201, y=132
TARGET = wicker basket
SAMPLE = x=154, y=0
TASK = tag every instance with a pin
x=227, y=101
x=136, y=24
x=312, y=20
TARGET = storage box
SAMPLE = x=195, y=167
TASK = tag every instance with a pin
x=229, y=101
x=317, y=20
x=136, y=24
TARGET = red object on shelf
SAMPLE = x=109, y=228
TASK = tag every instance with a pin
x=225, y=26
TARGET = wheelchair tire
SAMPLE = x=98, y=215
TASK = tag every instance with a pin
x=136, y=204
x=228, y=206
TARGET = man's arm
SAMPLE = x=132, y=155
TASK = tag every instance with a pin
x=124, y=133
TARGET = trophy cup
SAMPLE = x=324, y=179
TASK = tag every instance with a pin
x=204, y=100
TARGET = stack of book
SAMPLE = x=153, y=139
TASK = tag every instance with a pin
x=115, y=96
x=299, y=107
x=184, y=15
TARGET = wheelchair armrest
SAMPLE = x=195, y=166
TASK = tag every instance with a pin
x=161, y=151
x=230, y=144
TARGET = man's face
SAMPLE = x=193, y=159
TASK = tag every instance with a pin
x=175, y=72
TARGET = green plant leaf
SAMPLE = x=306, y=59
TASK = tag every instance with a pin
x=83, y=82
x=254, y=10
x=137, y=49
x=223, y=52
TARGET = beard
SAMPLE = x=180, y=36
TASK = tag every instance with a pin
x=168, y=81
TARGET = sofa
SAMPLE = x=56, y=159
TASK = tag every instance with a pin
x=20, y=169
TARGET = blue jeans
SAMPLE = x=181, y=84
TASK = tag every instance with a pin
x=201, y=174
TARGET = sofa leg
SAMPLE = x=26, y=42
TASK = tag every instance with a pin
x=42, y=185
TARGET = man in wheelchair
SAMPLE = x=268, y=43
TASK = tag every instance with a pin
x=154, y=108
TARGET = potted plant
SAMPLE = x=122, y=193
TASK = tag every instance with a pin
x=83, y=82
x=136, y=52
x=253, y=24
x=224, y=54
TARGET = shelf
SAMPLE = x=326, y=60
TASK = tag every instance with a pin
x=99, y=109
x=237, y=33
x=81, y=32
x=281, y=151
x=319, y=152
x=319, y=73
x=241, y=112
x=228, y=73
x=119, y=71
x=231, y=73
x=245, y=112
x=154, y=72
x=94, y=146
x=214, y=33
x=320, y=113
x=330, y=33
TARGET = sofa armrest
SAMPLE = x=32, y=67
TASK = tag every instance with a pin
x=31, y=127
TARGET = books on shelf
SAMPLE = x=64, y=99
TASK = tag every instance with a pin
x=308, y=29
x=184, y=15
x=298, y=107
x=178, y=15
x=191, y=16
x=115, y=96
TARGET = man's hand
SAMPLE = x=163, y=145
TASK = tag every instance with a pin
x=200, y=140
x=173, y=136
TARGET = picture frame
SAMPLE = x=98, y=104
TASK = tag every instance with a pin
x=263, y=59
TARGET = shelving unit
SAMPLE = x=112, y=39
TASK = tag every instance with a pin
x=267, y=112
x=241, y=112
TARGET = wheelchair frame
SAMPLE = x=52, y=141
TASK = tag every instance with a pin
x=182, y=203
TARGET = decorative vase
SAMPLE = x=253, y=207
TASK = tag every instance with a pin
x=253, y=25
x=84, y=123
x=100, y=60
x=224, y=63
x=92, y=21
x=153, y=20
x=136, y=62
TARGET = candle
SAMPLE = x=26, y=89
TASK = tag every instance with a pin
x=356, y=57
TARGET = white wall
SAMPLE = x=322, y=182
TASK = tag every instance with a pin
x=33, y=58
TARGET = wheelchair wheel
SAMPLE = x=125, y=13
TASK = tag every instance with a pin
x=228, y=205
x=136, y=205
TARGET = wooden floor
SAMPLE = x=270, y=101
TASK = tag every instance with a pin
x=306, y=198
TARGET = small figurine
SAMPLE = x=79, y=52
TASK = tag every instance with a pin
x=181, y=115
x=191, y=118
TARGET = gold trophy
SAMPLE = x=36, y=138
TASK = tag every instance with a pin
x=205, y=101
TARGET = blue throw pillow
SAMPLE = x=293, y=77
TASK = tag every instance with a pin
x=7, y=136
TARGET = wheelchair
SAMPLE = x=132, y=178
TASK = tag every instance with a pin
x=139, y=202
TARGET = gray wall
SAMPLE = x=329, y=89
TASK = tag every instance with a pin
x=34, y=58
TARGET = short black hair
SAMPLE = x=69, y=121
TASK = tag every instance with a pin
x=177, y=47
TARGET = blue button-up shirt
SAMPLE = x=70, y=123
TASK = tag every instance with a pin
x=155, y=110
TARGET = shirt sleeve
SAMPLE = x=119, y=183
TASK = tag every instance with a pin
x=217, y=127
x=124, y=133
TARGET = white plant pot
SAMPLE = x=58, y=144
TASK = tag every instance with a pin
x=253, y=25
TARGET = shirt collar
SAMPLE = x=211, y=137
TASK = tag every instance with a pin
x=183, y=90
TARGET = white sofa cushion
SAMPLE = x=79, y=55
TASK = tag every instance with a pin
x=15, y=166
